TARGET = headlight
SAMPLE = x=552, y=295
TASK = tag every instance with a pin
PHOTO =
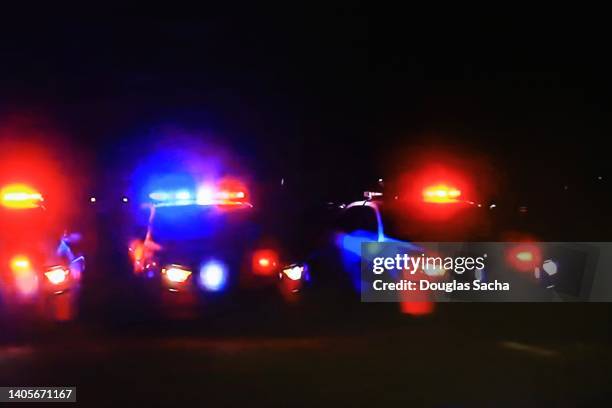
x=176, y=274
x=57, y=274
x=295, y=272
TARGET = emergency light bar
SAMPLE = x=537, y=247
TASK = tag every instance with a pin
x=20, y=196
x=204, y=196
x=441, y=194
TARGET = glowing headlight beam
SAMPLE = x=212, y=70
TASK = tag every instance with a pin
x=294, y=272
x=176, y=274
x=57, y=275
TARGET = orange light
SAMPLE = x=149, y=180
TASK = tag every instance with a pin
x=57, y=275
x=137, y=251
x=20, y=196
x=20, y=265
x=231, y=195
x=441, y=194
x=25, y=278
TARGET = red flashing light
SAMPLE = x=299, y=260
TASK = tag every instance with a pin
x=441, y=194
x=265, y=262
x=525, y=257
x=435, y=192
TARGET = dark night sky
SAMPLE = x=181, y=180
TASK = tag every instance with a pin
x=312, y=92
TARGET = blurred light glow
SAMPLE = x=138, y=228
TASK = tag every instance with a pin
x=441, y=193
x=159, y=196
x=524, y=257
x=417, y=308
x=294, y=272
x=550, y=267
x=27, y=284
x=20, y=264
x=56, y=274
x=265, y=262
x=213, y=276
x=176, y=274
x=206, y=195
x=183, y=195
x=20, y=196
x=25, y=278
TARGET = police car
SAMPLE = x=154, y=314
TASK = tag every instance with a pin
x=40, y=271
x=426, y=209
x=208, y=245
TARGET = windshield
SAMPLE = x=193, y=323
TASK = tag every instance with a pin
x=436, y=223
x=194, y=223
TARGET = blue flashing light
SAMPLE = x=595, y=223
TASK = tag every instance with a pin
x=160, y=196
x=173, y=198
x=183, y=195
x=204, y=196
x=213, y=276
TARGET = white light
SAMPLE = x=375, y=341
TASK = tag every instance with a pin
x=213, y=276
x=550, y=267
x=294, y=272
x=183, y=195
x=92, y=200
x=22, y=196
x=205, y=196
x=56, y=275
x=178, y=275
x=125, y=199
